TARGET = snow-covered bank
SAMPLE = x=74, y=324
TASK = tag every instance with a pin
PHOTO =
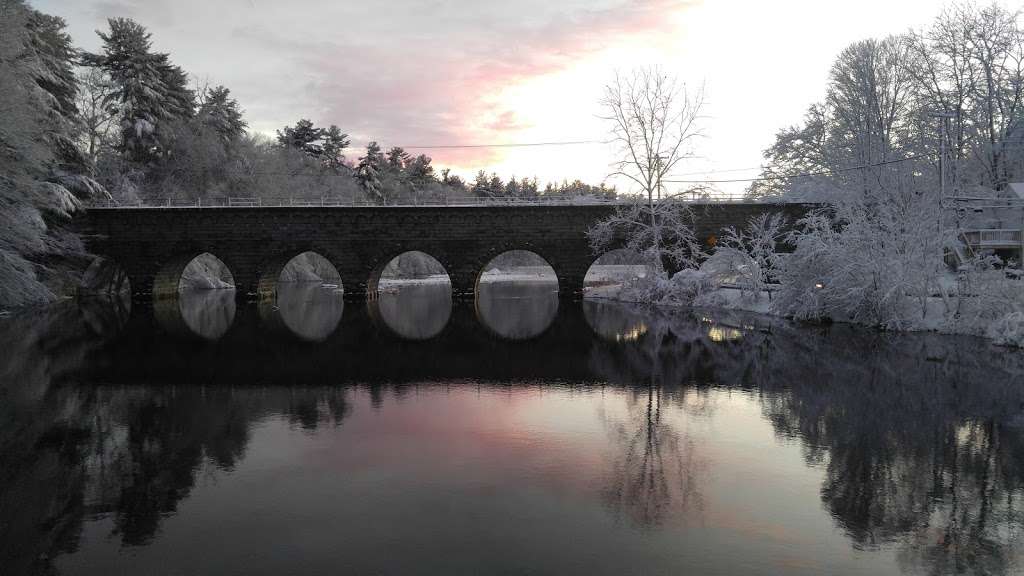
x=965, y=314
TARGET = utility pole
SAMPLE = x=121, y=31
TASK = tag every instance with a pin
x=943, y=117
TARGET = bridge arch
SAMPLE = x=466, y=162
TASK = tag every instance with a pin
x=105, y=277
x=613, y=268
x=516, y=295
x=193, y=269
x=525, y=260
x=418, y=265
x=410, y=295
x=310, y=265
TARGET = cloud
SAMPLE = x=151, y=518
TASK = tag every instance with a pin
x=413, y=73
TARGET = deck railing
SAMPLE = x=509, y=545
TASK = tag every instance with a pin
x=993, y=238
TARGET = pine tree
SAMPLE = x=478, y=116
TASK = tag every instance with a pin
x=481, y=185
x=334, y=144
x=38, y=98
x=304, y=136
x=368, y=173
x=179, y=100
x=512, y=188
x=149, y=92
x=496, y=187
x=397, y=159
x=419, y=172
x=221, y=114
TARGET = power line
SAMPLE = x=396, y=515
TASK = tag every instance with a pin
x=504, y=145
x=805, y=174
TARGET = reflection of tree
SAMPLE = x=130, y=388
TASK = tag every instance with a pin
x=74, y=452
x=920, y=436
x=654, y=474
x=655, y=469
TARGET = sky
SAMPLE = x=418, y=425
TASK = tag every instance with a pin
x=456, y=72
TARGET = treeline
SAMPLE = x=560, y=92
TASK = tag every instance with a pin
x=153, y=138
x=127, y=125
x=897, y=103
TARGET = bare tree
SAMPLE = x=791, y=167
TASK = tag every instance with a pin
x=654, y=121
x=97, y=119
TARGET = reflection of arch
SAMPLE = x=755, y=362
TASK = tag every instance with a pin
x=384, y=272
x=614, y=268
x=516, y=311
x=415, y=312
x=170, y=279
x=551, y=276
x=309, y=266
x=207, y=314
x=307, y=310
x=105, y=277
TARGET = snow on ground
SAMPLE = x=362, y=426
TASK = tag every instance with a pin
x=935, y=314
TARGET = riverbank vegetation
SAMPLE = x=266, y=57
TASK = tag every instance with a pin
x=918, y=139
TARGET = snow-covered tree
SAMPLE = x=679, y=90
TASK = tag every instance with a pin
x=485, y=186
x=334, y=144
x=869, y=260
x=149, y=92
x=654, y=122
x=222, y=114
x=750, y=255
x=304, y=136
x=96, y=118
x=38, y=162
x=397, y=158
x=419, y=172
x=661, y=233
x=369, y=171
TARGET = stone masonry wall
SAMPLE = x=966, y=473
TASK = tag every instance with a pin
x=153, y=245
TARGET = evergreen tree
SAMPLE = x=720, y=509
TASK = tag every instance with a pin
x=179, y=100
x=368, y=173
x=528, y=188
x=38, y=94
x=149, y=92
x=304, y=136
x=52, y=49
x=512, y=188
x=397, y=159
x=419, y=172
x=496, y=187
x=481, y=185
x=334, y=143
x=221, y=114
x=453, y=181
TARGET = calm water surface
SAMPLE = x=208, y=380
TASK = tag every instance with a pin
x=517, y=434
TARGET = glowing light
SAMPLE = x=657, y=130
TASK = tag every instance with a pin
x=633, y=334
x=719, y=334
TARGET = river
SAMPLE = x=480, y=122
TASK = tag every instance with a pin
x=518, y=434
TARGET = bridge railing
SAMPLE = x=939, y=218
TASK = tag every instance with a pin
x=293, y=201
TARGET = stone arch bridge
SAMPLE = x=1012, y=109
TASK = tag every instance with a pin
x=153, y=245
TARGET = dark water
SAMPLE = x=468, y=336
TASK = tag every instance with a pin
x=514, y=435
